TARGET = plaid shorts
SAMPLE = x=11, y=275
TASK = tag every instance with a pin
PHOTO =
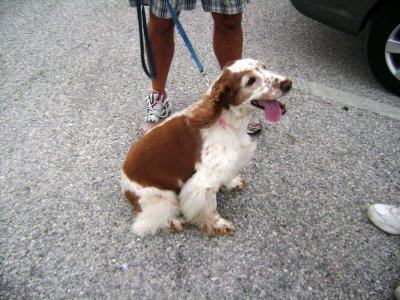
x=228, y=7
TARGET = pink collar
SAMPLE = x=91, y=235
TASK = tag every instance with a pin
x=225, y=124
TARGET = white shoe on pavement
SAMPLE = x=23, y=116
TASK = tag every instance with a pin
x=385, y=217
x=397, y=293
x=254, y=125
x=158, y=108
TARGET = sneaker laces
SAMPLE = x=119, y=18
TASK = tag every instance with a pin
x=254, y=124
x=394, y=212
x=157, y=107
x=254, y=121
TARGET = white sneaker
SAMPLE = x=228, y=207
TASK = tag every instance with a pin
x=397, y=293
x=158, y=108
x=254, y=125
x=385, y=217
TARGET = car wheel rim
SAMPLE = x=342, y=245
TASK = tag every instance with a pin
x=392, y=52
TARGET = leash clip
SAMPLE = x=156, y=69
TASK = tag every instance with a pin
x=204, y=74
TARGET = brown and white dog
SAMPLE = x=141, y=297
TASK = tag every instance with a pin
x=173, y=173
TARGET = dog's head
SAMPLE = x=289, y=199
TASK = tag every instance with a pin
x=243, y=86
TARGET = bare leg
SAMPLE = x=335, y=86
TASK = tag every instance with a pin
x=228, y=37
x=161, y=33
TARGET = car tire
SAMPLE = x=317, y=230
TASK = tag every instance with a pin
x=383, y=61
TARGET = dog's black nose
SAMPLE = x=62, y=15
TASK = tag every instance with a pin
x=286, y=85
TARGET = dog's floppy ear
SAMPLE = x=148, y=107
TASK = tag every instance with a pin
x=210, y=108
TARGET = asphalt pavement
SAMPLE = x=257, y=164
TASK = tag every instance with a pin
x=71, y=99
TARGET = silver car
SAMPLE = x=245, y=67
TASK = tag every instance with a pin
x=351, y=16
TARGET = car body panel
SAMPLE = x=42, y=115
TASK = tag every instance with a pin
x=345, y=15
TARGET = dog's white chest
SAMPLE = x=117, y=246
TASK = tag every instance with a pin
x=223, y=155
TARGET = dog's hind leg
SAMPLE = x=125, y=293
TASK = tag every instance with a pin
x=158, y=212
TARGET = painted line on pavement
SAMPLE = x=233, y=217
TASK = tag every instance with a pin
x=342, y=97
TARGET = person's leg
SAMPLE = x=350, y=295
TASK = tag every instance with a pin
x=228, y=37
x=161, y=34
x=228, y=46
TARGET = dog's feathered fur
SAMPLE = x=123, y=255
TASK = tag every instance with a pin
x=173, y=173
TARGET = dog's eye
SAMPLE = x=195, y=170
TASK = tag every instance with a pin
x=250, y=81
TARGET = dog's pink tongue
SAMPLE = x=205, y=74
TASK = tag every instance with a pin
x=273, y=111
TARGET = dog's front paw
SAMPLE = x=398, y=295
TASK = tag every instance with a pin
x=237, y=184
x=220, y=228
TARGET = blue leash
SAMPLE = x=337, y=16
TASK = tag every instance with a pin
x=187, y=42
x=143, y=32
